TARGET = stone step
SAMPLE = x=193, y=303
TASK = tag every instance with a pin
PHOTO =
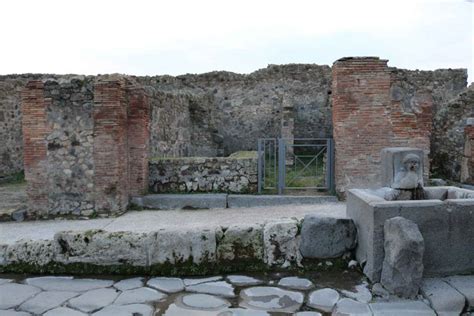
x=209, y=201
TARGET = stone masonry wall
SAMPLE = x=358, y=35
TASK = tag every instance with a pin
x=367, y=118
x=203, y=174
x=449, y=138
x=467, y=166
x=86, y=145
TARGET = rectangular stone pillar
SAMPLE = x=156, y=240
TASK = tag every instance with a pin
x=111, y=176
x=138, y=139
x=367, y=117
x=35, y=130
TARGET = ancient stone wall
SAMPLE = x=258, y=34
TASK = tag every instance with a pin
x=85, y=145
x=448, y=139
x=368, y=118
x=204, y=174
x=467, y=165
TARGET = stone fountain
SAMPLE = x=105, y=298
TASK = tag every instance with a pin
x=444, y=215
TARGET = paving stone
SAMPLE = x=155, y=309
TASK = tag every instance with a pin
x=139, y=296
x=94, y=300
x=175, y=310
x=221, y=288
x=465, y=285
x=45, y=301
x=14, y=294
x=126, y=310
x=361, y=293
x=271, y=299
x=242, y=280
x=401, y=307
x=64, y=311
x=129, y=284
x=443, y=298
x=308, y=314
x=3, y=281
x=348, y=306
x=201, y=280
x=11, y=312
x=296, y=283
x=203, y=302
x=168, y=285
x=323, y=300
x=242, y=312
x=52, y=283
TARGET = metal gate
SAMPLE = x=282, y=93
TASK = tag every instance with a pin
x=297, y=163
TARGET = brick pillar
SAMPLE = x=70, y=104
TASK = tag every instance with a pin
x=361, y=123
x=138, y=140
x=467, y=166
x=111, y=176
x=35, y=130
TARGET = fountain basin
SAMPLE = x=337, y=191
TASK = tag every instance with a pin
x=445, y=218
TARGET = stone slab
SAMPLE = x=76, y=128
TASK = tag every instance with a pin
x=126, y=310
x=141, y=295
x=181, y=201
x=13, y=294
x=45, y=301
x=443, y=298
x=53, y=283
x=167, y=285
x=94, y=300
x=64, y=311
x=243, y=280
x=241, y=200
x=221, y=288
x=401, y=307
x=347, y=306
x=323, y=300
x=271, y=299
x=465, y=285
x=296, y=283
x=129, y=284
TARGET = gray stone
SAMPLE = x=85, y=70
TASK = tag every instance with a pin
x=241, y=242
x=236, y=200
x=188, y=282
x=68, y=284
x=444, y=299
x=326, y=237
x=242, y=312
x=129, y=284
x=465, y=285
x=126, y=310
x=203, y=302
x=172, y=246
x=296, y=283
x=347, y=306
x=401, y=307
x=402, y=168
x=242, y=280
x=94, y=300
x=281, y=243
x=271, y=299
x=308, y=314
x=14, y=294
x=402, y=268
x=220, y=288
x=19, y=215
x=3, y=281
x=64, y=311
x=379, y=290
x=45, y=301
x=323, y=300
x=182, y=201
x=139, y=296
x=167, y=285
x=361, y=293
x=13, y=313
x=447, y=228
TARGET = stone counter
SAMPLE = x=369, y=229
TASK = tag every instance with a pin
x=232, y=174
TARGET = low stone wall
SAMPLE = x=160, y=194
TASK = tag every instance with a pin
x=278, y=244
x=203, y=174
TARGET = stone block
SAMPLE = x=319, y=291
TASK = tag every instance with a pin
x=327, y=237
x=401, y=307
x=444, y=299
x=402, y=268
x=237, y=200
x=241, y=242
x=281, y=243
x=182, y=201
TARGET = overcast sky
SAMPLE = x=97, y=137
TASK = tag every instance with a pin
x=175, y=37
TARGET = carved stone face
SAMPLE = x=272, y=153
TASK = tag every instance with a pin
x=411, y=162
